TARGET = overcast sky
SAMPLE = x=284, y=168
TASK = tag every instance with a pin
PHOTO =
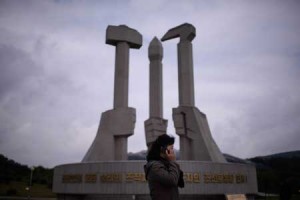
x=57, y=73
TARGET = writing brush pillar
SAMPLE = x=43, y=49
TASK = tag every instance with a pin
x=155, y=125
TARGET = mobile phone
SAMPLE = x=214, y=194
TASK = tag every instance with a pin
x=164, y=150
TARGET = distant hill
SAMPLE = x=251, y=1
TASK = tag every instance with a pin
x=14, y=178
x=13, y=171
x=278, y=171
x=281, y=161
x=141, y=155
x=289, y=154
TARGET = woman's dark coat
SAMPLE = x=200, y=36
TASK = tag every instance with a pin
x=163, y=177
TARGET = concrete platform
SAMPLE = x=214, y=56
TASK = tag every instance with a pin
x=126, y=180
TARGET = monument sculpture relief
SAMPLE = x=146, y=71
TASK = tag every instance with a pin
x=105, y=173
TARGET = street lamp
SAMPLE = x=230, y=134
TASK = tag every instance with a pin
x=30, y=181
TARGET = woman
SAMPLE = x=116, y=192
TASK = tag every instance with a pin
x=162, y=172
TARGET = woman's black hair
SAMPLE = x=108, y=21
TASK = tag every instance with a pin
x=155, y=149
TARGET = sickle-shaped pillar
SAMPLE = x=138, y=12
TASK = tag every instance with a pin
x=117, y=125
x=187, y=33
x=155, y=125
x=196, y=142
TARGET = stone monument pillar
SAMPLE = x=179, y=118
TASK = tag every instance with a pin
x=155, y=125
x=117, y=125
x=196, y=142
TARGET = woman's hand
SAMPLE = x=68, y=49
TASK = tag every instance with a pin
x=170, y=154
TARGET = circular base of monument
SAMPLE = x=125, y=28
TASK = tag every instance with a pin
x=128, y=178
x=147, y=197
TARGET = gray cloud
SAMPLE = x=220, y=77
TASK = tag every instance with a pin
x=17, y=69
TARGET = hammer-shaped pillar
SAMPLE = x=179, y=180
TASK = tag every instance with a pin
x=121, y=75
x=123, y=38
x=196, y=142
x=118, y=124
x=155, y=125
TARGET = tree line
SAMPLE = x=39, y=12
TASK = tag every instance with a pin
x=13, y=171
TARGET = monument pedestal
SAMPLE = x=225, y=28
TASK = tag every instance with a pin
x=146, y=197
x=126, y=180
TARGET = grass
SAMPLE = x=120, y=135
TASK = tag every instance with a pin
x=293, y=197
x=19, y=189
x=39, y=190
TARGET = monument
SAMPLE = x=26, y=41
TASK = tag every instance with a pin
x=105, y=172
